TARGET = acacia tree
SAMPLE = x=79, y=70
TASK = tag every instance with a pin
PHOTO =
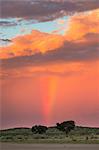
x=38, y=129
x=66, y=126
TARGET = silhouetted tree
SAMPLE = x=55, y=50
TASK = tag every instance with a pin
x=66, y=126
x=39, y=129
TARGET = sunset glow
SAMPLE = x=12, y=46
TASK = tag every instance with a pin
x=49, y=67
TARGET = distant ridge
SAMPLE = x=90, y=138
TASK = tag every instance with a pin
x=27, y=128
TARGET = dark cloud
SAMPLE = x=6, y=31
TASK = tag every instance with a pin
x=7, y=23
x=44, y=10
x=6, y=40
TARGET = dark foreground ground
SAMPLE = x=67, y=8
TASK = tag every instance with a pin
x=7, y=146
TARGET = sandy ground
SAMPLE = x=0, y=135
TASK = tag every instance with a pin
x=6, y=146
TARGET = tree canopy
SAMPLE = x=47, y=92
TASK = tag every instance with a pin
x=39, y=129
x=66, y=126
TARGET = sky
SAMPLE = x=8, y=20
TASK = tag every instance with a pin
x=49, y=54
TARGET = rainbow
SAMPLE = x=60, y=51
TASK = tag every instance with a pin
x=49, y=92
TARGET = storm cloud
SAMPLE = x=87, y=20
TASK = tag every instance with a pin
x=70, y=52
x=46, y=9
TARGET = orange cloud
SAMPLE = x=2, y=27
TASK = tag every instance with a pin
x=80, y=25
x=32, y=43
